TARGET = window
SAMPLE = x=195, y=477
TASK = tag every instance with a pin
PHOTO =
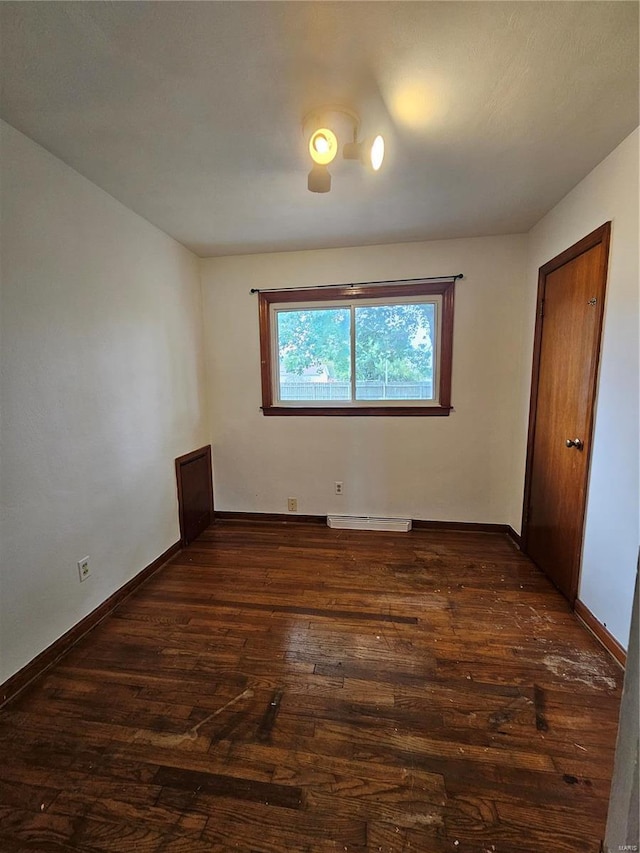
x=366, y=349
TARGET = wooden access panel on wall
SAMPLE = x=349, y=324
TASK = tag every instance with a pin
x=195, y=493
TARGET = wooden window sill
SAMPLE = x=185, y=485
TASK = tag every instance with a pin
x=351, y=411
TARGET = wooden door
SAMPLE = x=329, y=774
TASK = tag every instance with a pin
x=195, y=493
x=567, y=344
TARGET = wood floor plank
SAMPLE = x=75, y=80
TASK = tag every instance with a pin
x=296, y=689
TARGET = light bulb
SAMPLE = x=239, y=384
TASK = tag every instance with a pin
x=377, y=153
x=323, y=146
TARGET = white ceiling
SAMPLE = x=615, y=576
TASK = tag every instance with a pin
x=190, y=112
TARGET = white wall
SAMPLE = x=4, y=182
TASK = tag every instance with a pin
x=459, y=468
x=610, y=550
x=101, y=388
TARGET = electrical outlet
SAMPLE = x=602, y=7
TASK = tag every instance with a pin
x=83, y=569
x=338, y=486
x=292, y=504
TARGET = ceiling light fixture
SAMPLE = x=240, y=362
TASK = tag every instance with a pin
x=319, y=179
x=370, y=152
x=323, y=146
x=325, y=130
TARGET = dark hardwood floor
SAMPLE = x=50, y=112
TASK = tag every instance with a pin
x=295, y=688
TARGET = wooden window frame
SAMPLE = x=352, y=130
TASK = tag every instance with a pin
x=349, y=293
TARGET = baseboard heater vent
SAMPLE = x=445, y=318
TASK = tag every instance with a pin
x=352, y=522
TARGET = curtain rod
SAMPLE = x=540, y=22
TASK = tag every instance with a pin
x=357, y=284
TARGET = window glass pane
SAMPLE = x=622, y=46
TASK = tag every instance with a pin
x=314, y=351
x=395, y=352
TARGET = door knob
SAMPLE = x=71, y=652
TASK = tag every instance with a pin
x=574, y=442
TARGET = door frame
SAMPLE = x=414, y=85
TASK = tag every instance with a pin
x=601, y=235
